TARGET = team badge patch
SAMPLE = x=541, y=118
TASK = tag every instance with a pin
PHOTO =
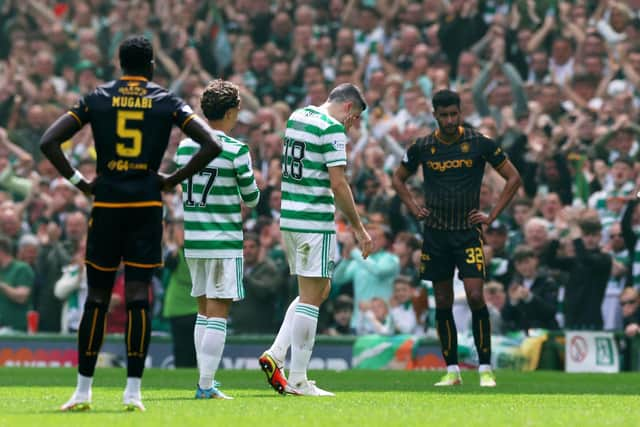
x=330, y=266
x=464, y=147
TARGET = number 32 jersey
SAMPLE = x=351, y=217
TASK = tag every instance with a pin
x=131, y=121
x=211, y=199
x=313, y=142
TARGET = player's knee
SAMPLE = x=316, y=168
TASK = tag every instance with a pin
x=444, y=299
x=136, y=291
x=475, y=298
x=100, y=283
x=444, y=302
x=98, y=296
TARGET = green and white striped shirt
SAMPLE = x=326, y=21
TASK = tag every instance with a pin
x=211, y=199
x=313, y=142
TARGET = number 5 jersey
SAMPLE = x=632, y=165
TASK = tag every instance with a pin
x=131, y=120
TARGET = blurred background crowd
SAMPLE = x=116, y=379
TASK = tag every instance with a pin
x=557, y=83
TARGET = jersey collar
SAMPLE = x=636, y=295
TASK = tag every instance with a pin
x=440, y=139
x=134, y=78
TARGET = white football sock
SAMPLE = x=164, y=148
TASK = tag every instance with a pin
x=305, y=322
x=133, y=387
x=198, y=333
x=283, y=340
x=212, y=347
x=84, y=385
x=453, y=368
x=484, y=368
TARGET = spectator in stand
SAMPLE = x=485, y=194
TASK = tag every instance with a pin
x=372, y=277
x=618, y=185
x=374, y=318
x=496, y=299
x=521, y=212
x=404, y=317
x=341, y=323
x=71, y=290
x=256, y=313
x=10, y=226
x=550, y=208
x=496, y=236
x=404, y=245
x=179, y=307
x=611, y=309
x=630, y=303
x=532, y=296
x=28, y=249
x=16, y=281
x=54, y=256
x=536, y=234
x=589, y=270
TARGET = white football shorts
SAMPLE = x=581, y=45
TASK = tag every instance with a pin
x=310, y=254
x=216, y=277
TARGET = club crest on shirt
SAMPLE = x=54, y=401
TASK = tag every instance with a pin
x=339, y=145
x=330, y=266
x=464, y=147
x=433, y=150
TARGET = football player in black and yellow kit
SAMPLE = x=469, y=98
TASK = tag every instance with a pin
x=131, y=120
x=453, y=160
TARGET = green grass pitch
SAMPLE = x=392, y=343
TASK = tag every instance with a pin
x=30, y=397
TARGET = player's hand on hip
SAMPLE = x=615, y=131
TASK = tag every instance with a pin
x=365, y=242
x=164, y=183
x=420, y=212
x=477, y=217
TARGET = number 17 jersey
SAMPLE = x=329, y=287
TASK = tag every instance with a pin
x=313, y=142
x=211, y=199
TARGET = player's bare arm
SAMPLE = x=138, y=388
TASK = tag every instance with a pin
x=198, y=130
x=511, y=175
x=60, y=131
x=344, y=202
x=399, y=182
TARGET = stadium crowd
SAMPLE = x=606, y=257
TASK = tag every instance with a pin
x=557, y=83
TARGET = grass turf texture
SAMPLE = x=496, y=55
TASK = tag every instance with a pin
x=31, y=397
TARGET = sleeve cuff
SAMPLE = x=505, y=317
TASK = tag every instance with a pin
x=337, y=163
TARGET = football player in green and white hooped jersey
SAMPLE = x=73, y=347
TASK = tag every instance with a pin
x=313, y=183
x=213, y=229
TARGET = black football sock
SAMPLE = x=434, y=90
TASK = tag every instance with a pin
x=137, y=336
x=448, y=334
x=90, y=337
x=482, y=334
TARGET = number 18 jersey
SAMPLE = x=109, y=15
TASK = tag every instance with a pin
x=313, y=142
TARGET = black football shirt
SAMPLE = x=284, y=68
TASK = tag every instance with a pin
x=452, y=174
x=131, y=119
